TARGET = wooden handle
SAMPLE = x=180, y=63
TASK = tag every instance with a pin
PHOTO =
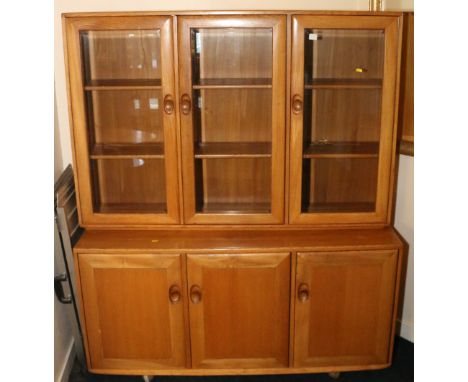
x=185, y=104
x=168, y=104
x=195, y=294
x=296, y=104
x=303, y=292
x=174, y=294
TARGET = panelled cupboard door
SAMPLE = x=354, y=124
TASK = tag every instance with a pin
x=133, y=310
x=343, y=120
x=121, y=77
x=239, y=310
x=232, y=72
x=344, y=308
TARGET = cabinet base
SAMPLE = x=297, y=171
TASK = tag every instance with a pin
x=331, y=370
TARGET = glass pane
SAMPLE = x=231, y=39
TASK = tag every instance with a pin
x=135, y=185
x=121, y=55
x=343, y=72
x=125, y=116
x=122, y=82
x=339, y=185
x=233, y=185
x=232, y=118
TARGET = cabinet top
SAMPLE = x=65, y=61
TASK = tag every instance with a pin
x=226, y=241
x=233, y=12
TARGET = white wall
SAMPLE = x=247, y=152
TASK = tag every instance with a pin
x=404, y=223
x=404, y=205
x=63, y=339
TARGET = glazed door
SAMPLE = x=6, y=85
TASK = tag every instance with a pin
x=344, y=308
x=232, y=111
x=124, y=116
x=343, y=88
x=133, y=311
x=239, y=310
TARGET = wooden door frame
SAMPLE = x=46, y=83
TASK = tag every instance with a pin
x=85, y=264
x=389, y=112
x=78, y=118
x=387, y=257
x=278, y=24
x=195, y=265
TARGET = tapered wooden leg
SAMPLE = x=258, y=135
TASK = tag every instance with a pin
x=334, y=375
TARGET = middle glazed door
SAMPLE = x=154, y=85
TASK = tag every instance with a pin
x=232, y=112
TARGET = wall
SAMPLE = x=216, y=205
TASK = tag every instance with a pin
x=404, y=223
x=63, y=339
x=405, y=185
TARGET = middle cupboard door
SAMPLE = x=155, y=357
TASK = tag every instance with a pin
x=239, y=310
x=232, y=111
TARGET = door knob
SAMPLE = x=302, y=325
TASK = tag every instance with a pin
x=185, y=104
x=195, y=294
x=296, y=104
x=303, y=292
x=168, y=104
x=174, y=294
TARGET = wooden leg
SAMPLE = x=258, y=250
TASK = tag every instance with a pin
x=334, y=375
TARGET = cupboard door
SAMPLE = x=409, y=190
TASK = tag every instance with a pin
x=124, y=116
x=133, y=311
x=344, y=76
x=239, y=310
x=232, y=111
x=344, y=308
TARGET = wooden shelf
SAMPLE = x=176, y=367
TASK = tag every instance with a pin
x=233, y=150
x=233, y=83
x=336, y=83
x=339, y=207
x=123, y=151
x=123, y=84
x=140, y=208
x=342, y=150
x=235, y=208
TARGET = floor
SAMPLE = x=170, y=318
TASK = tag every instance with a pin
x=402, y=370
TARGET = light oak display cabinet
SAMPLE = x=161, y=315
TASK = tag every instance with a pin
x=235, y=178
